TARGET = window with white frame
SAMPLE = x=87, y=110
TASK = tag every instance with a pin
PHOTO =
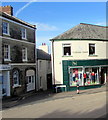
x=23, y=33
x=91, y=49
x=24, y=54
x=5, y=28
x=6, y=52
x=15, y=78
x=67, y=49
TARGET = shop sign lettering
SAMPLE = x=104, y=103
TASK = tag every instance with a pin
x=5, y=67
x=80, y=51
x=74, y=63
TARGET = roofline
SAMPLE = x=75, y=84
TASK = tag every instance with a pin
x=93, y=25
x=4, y=14
x=79, y=39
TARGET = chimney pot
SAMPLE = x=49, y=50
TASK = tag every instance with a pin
x=8, y=9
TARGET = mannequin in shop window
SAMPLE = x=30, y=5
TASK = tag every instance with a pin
x=93, y=77
x=74, y=76
x=85, y=76
x=90, y=77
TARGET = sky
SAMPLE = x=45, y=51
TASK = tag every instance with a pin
x=54, y=18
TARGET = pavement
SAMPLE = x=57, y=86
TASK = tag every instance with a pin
x=45, y=95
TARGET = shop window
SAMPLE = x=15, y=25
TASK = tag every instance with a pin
x=66, y=49
x=23, y=33
x=76, y=76
x=24, y=54
x=92, y=76
x=6, y=52
x=5, y=28
x=91, y=49
x=15, y=78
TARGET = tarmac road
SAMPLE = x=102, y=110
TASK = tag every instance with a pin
x=79, y=106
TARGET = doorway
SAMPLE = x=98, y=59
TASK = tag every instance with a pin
x=30, y=80
x=49, y=81
x=103, y=75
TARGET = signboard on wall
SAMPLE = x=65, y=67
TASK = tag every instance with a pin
x=5, y=67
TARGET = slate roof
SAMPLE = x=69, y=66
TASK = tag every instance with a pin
x=43, y=55
x=4, y=14
x=84, y=31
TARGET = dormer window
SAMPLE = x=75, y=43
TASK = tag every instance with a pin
x=23, y=33
x=5, y=28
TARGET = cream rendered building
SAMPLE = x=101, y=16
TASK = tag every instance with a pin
x=44, y=76
x=80, y=50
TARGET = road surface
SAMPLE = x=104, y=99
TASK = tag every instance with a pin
x=79, y=106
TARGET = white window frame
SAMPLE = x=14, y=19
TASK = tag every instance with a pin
x=24, y=33
x=8, y=32
x=5, y=51
x=66, y=45
x=94, y=47
x=17, y=84
x=24, y=57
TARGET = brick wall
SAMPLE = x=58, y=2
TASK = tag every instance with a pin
x=7, y=9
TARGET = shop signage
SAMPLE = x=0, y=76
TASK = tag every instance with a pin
x=5, y=67
x=80, y=51
x=74, y=63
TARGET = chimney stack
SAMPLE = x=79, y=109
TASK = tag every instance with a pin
x=44, y=47
x=7, y=9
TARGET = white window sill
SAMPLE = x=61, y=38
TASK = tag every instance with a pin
x=67, y=56
x=24, y=60
x=93, y=55
x=3, y=94
x=16, y=86
x=7, y=60
x=6, y=34
x=24, y=38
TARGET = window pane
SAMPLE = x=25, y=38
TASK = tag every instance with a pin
x=23, y=33
x=76, y=76
x=91, y=49
x=67, y=51
x=5, y=27
x=16, y=77
x=6, y=51
x=24, y=54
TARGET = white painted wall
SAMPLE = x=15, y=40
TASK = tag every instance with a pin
x=76, y=46
x=43, y=70
x=44, y=48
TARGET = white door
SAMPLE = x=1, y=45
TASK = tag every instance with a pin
x=30, y=83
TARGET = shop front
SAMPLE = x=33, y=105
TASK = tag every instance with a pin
x=85, y=73
x=5, y=80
